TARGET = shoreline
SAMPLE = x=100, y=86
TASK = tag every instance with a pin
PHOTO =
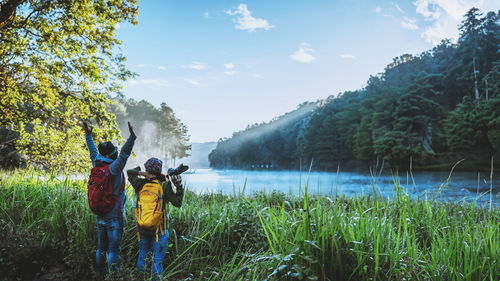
x=274, y=236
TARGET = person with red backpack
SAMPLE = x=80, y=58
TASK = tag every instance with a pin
x=154, y=190
x=107, y=197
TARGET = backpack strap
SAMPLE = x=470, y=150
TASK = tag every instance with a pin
x=164, y=222
x=164, y=203
x=138, y=235
x=164, y=209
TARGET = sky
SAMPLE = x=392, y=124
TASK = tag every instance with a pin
x=223, y=65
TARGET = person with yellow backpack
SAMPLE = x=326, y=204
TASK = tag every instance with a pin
x=154, y=190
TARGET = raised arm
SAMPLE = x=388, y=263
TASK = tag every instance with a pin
x=133, y=178
x=90, y=142
x=117, y=166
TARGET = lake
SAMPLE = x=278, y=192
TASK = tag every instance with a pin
x=468, y=186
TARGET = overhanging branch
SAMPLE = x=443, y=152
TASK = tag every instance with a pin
x=8, y=12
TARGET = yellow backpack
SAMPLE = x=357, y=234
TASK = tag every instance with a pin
x=149, y=211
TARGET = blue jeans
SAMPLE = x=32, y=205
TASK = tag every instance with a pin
x=148, y=243
x=109, y=240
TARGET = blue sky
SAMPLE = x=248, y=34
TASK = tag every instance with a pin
x=222, y=65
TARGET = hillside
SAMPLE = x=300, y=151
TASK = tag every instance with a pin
x=430, y=110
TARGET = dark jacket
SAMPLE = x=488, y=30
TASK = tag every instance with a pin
x=168, y=193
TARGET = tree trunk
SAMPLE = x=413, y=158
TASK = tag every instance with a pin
x=486, y=82
x=476, y=92
x=8, y=12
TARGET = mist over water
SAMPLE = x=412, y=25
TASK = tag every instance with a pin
x=198, y=158
x=461, y=185
x=146, y=148
x=466, y=186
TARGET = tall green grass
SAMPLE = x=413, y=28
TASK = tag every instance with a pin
x=45, y=222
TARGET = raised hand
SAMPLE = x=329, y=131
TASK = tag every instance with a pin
x=86, y=128
x=177, y=180
x=146, y=175
x=131, y=130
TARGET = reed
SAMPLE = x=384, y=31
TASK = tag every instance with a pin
x=45, y=223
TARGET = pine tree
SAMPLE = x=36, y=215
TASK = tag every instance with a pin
x=468, y=55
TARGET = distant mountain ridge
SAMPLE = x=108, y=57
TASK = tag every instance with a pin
x=198, y=158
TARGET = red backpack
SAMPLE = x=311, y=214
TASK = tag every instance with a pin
x=100, y=190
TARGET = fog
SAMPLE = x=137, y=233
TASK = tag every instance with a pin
x=148, y=144
x=276, y=123
x=145, y=148
x=199, y=155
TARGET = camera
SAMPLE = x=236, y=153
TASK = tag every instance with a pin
x=177, y=171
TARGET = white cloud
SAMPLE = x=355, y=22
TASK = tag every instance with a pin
x=398, y=8
x=409, y=23
x=446, y=15
x=245, y=20
x=161, y=67
x=142, y=65
x=229, y=65
x=347, y=56
x=303, y=54
x=257, y=75
x=378, y=9
x=192, y=82
x=195, y=65
x=230, y=72
x=205, y=15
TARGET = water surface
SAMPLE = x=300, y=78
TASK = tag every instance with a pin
x=466, y=186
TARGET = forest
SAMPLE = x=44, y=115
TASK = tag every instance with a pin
x=60, y=64
x=426, y=110
x=162, y=133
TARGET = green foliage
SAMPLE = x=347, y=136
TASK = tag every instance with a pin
x=471, y=126
x=493, y=116
x=363, y=141
x=272, y=145
x=329, y=138
x=58, y=61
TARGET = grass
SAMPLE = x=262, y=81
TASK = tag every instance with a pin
x=47, y=229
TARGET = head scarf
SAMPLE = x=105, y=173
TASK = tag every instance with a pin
x=153, y=166
x=107, y=148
